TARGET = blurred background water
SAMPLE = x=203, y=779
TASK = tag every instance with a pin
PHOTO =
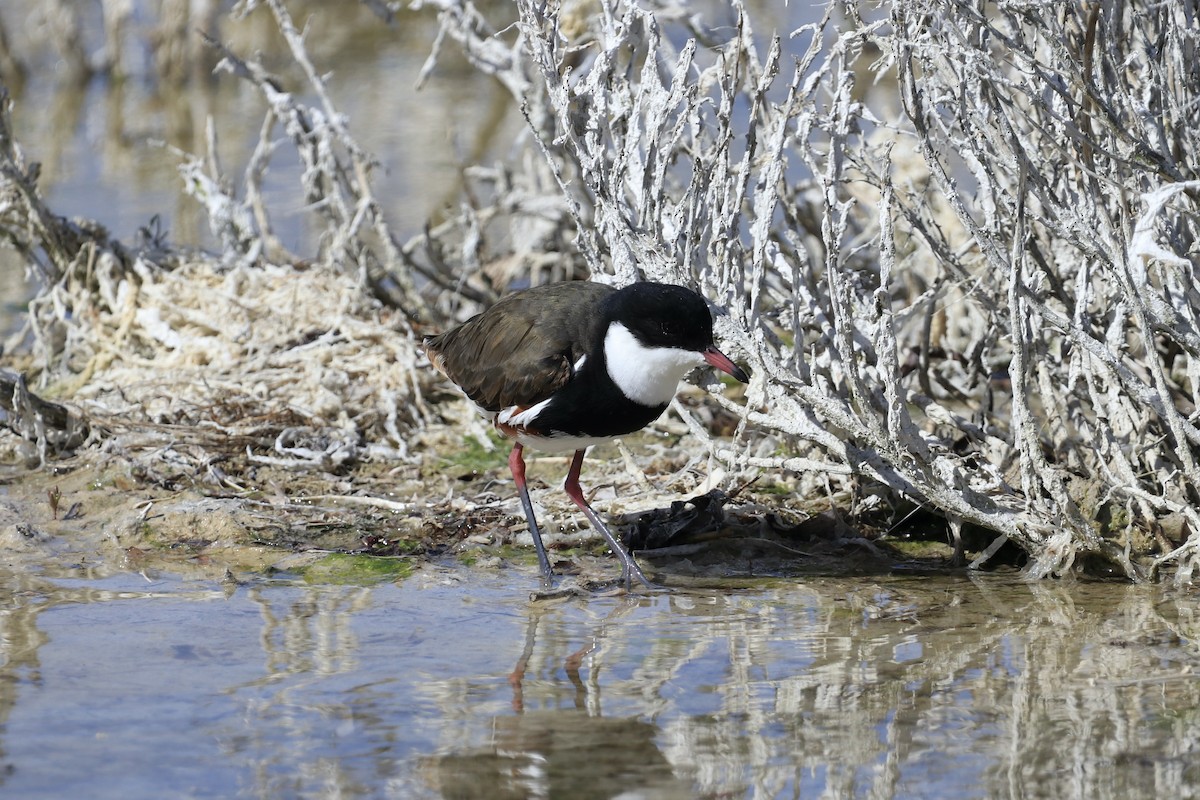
x=107, y=145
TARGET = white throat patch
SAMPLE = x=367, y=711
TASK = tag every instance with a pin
x=646, y=375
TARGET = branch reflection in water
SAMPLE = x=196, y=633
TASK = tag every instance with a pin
x=451, y=684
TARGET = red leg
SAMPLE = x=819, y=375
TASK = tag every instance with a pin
x=629, y=567
x=516, y=463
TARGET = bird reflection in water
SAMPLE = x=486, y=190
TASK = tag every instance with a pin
x=570, y=752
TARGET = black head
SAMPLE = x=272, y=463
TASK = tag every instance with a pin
x=664, y=319
x=663, y=315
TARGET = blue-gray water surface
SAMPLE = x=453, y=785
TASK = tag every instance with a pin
x=454, y=683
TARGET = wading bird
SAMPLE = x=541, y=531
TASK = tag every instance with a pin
x=569, y=365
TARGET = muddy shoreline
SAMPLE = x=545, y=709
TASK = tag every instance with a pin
x=380, y=520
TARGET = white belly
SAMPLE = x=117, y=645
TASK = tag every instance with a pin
x=561, y=444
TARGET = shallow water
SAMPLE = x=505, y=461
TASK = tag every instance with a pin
x=455, y=684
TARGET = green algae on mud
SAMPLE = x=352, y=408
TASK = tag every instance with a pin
x=358, y=570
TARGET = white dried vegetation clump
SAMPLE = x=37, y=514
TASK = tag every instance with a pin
x=172, y=358
x=956, y=243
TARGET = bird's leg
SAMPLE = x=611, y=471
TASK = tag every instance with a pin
x=517, y=464
x=629, y=567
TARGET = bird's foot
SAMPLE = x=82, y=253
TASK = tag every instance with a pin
x=576, y=586
x=557, y=593
x=624, y=584
x=569, y=586
x=631, y=571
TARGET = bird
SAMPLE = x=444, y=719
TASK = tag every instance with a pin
x=564, y=366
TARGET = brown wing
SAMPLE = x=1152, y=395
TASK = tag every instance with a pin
x=523, y=349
